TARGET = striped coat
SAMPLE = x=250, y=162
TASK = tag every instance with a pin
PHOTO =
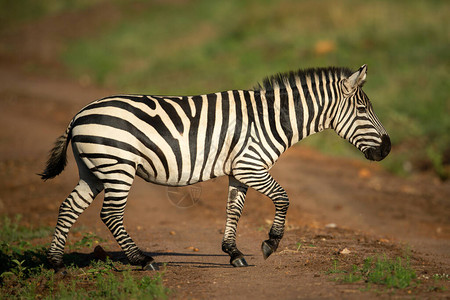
x=178, y=141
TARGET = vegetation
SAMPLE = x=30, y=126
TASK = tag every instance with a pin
x=12, y=231
x=13, y=12
x=25, y=273
x=391, y=273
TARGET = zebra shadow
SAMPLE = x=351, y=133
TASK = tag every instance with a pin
x=178, y=259
x=170, y=259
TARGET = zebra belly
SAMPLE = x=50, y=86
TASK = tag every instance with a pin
x=106, y=149
x=184, y=170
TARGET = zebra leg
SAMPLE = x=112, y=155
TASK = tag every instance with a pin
x=263, y=182
x=112, y=215
x=235, y=204
x=70, y=209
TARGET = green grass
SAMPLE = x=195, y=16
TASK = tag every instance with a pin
x=100, y=280
x=395, y=273
x=334, y=269
x=12, y=231
x=26, y=274
x=86, y=241
x=13, y=12
x=381, y=271
x=438, y=279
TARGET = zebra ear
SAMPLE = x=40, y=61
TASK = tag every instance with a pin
x=356, y=79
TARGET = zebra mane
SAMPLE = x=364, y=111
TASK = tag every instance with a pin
x=282, y=79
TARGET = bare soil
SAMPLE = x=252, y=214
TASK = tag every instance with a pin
x=375, y=213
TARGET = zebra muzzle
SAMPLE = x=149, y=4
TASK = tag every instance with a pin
x=380, y=152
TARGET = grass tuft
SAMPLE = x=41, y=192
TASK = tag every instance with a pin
x=392, y=273
x=12, y=231
x=26, y=274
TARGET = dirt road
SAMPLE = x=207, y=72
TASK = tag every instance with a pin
x=375, y=213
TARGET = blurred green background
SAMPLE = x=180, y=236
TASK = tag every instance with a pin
x=191, y=47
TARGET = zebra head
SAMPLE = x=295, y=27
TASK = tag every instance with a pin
x=356, y=121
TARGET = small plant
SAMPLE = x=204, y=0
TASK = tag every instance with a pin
x=153, y=287
x=437, y=284
x=442, y=276
x=335, y=269
x=86, y=241
x=11, y=230
x=18, y=270
x=102, y=267
x=393, y=273
x=24, y=279
x=102, y=282
x=352, y=276
x=26, y=274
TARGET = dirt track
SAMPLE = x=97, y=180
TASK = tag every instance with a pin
x=375, y=212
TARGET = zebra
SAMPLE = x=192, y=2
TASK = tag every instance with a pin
x=182, y=140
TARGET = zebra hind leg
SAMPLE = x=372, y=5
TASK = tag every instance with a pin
x=80, y=198
x=116, y=193
x=235, y=204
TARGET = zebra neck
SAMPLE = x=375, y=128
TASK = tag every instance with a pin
x=300, y=111
x=313, y=108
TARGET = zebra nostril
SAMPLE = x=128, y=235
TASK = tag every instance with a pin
x=385, y=145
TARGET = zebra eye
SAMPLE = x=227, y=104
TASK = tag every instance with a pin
x=361, y=109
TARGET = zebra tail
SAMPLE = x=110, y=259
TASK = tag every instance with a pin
x=58, y=156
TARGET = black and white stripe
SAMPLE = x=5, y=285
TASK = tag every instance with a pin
x=179, y=141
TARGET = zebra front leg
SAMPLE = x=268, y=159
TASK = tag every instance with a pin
x=112, y=215
x=235, y=204
x=265, y=184
x=80, y=198
x=281, y=201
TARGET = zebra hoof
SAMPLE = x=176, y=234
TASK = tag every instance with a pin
x=59, y=268
x=239, y=262
x=267, y=249
x=61, y=272
x=150, y=266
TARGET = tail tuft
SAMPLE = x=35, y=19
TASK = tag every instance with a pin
x=58, y=157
